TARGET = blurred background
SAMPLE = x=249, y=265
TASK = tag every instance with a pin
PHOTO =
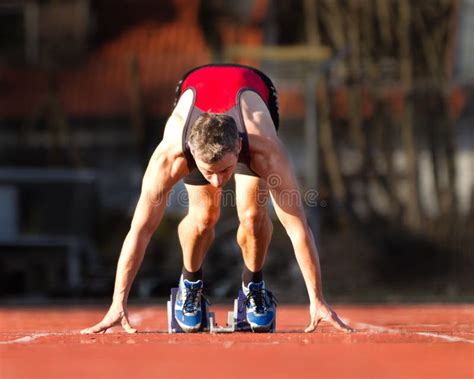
x=377, y=112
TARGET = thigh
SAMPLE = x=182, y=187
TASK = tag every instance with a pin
x=204, y=198
x=251, y=194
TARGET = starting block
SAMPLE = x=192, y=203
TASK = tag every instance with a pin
x=236, y=319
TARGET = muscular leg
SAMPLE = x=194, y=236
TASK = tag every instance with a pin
x=196, y=230
x=255, y=229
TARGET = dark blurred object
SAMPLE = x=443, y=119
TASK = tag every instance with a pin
x=47, y=230
x=111, y=19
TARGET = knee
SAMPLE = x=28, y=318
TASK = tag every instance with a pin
x=256, y=222
x=205, y=219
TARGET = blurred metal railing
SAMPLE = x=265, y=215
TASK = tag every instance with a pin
x=61, y=245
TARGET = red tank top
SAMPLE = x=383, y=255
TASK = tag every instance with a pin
x=217, y=89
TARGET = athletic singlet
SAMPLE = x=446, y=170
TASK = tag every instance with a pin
x=217, y=89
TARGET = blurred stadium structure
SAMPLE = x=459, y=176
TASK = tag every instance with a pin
x=376, y=101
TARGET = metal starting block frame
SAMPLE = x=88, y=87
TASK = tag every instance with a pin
x=236, y=319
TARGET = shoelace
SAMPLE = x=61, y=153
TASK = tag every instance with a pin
x=191, y=299
x=258, y=296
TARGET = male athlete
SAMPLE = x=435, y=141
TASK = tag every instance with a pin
x=224, y=123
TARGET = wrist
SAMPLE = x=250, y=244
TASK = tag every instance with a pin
x=119, y=301
x=318, y=301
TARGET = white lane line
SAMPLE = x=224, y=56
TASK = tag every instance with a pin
x=445, y=337
x=135, y=318
x=30, y=338
x=382, y=329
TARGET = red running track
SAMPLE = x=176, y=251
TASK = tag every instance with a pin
x=415, y=341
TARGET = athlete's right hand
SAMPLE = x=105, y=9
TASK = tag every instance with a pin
x=116, y=315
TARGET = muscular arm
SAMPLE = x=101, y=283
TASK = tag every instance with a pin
x=289, y=208
x=156, y=185
x=270, y=161
x=162, y=173
x=157, y=182
x=166, y=167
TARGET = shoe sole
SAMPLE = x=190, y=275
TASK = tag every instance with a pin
x=261, y=328
x=188, y=329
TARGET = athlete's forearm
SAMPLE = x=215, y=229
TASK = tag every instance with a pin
x=308, y=260
x=130, y=260
x=146, y=220
x=292, y=217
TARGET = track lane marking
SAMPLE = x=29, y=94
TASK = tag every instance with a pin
x=383, y=329
x=32, y=337
x=135, y=318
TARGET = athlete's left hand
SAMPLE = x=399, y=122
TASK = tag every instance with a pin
x=322, y=312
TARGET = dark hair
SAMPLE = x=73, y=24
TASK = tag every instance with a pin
x=213, y=135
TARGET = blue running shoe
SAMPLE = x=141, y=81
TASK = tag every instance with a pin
x=260, y=306
x=187, y=307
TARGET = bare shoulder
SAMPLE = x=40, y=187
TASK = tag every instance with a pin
x=166, y=167
x=267, y=154
x=175, y=124
x=167, y=164
x=168, y=161
x=256, y=115
x=264, y=143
